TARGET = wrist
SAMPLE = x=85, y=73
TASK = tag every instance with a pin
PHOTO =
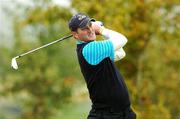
x=101, y=30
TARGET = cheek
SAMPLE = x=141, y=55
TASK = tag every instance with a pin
x=82, y=34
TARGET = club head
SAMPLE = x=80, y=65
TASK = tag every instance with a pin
x=14, y=63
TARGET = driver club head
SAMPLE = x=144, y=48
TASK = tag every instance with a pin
x=14, y=64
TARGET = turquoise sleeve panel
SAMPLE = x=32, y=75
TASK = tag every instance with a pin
x=94, y=52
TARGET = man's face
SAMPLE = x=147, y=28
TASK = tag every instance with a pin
x=85, y=34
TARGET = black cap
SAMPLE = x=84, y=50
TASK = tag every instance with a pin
x=79, y=20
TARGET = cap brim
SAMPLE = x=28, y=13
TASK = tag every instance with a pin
x=86, y=23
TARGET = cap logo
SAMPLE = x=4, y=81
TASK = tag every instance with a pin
x=80, y=17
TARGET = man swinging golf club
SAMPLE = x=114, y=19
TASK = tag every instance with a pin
x=106, y=86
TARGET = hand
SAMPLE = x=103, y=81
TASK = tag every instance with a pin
x=98, y=27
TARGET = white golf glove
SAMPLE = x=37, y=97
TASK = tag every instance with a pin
x=98, y=26
x=99, y=23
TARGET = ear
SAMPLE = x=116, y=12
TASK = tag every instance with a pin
x=75, y=34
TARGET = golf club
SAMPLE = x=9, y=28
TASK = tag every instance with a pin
x=14, y=64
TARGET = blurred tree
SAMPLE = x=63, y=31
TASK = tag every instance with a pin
x=45, y=79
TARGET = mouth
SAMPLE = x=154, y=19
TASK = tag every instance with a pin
x=91, y=34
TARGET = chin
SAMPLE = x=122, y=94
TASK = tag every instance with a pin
x=93, y=38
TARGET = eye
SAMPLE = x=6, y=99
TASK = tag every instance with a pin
x=90, y=24
x=87, y=27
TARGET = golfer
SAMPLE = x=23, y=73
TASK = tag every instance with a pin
x=106, y=86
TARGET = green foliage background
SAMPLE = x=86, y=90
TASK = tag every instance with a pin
x=50, y=80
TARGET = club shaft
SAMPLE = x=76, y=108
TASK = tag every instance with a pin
x=46, y=45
